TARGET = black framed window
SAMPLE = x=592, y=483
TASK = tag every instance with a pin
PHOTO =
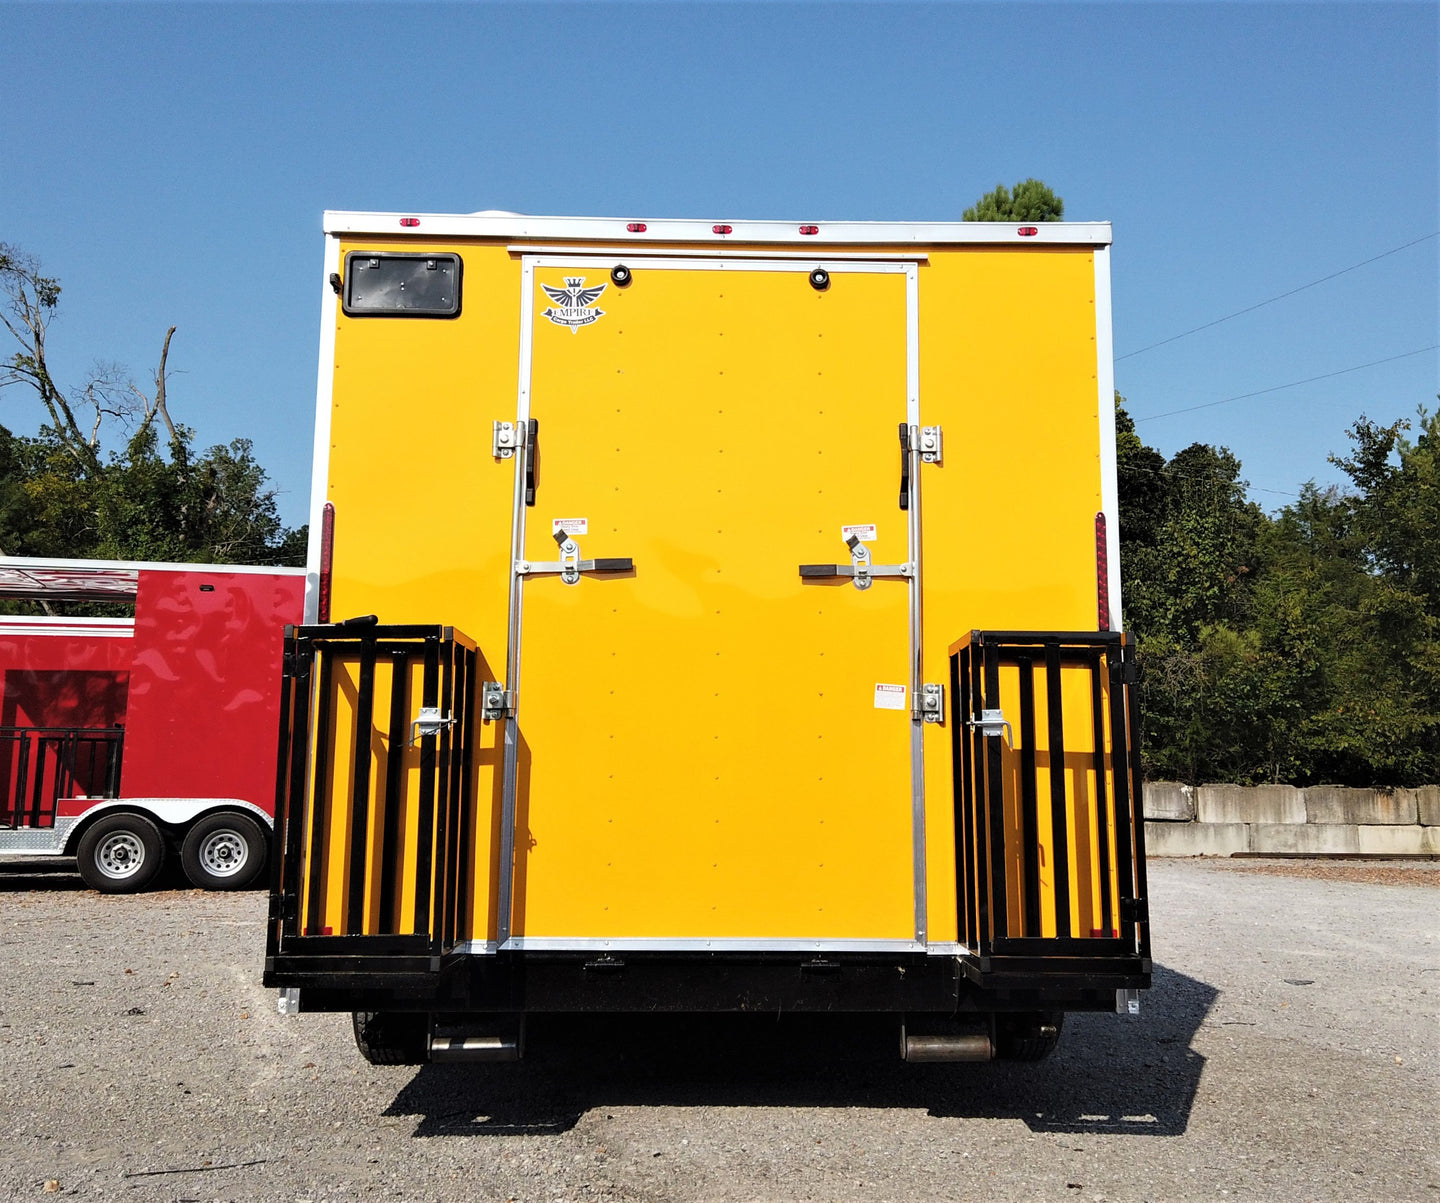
x=392, y=284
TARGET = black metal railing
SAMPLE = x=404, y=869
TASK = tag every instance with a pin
x=1050, y=841
x=374, y=808
x=41, y=765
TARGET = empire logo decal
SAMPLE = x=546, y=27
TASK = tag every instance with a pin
x=574, y=304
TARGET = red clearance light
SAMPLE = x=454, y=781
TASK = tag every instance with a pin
x=327, y=560
x=722, y=229
x=1028, y=231
x=409, y=222
x=1102, y=572
x=636, y=227
x=809, y=229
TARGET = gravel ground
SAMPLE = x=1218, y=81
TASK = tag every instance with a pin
x=1288, y=1051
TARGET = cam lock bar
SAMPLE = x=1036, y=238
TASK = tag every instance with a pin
x=569, y=566
x=859, y=567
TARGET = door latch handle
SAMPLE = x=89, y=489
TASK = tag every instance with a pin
x=904, y=465
x=569, y=566
x=532, y=459
x=859, y=567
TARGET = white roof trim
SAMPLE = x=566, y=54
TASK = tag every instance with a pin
x=612, y=229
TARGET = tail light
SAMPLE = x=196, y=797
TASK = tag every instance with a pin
x=1102, y=573
x=327, y=561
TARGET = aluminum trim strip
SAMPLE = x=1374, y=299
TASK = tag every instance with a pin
x=917, y=722
x=718, y=252
x=23, y=563
x=789, y=263
x=1105, y=385
x=514, y=226
x=947, y=948
x=324, y=402
x=510, y=752
x=716, y=944
x=106, y=628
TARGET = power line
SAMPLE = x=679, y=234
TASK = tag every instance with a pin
x=1281, y=297
x=1293, y=384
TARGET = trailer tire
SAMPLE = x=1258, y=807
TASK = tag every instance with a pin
x=1027, y=1035
x=121, y=854
x=224, y=851
x=393, y=1037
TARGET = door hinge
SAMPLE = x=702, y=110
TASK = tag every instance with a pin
x=931, y=444
x=509, y=436
x=932, y=703
x=496, y=702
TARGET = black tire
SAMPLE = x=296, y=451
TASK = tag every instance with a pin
x=393, y=1037
x=121, y=854
x=1027, y=1035
x=224, y=851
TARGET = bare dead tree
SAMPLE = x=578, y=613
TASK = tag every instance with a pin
x=28, y=302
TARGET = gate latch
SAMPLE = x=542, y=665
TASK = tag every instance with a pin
x=859, y=567
x=496, y=702
x=992, y=722
x=430, y=722
x=570, y=565
x=932, y=703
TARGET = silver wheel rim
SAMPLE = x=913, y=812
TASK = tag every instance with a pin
x=120, y=855
x=224, y=853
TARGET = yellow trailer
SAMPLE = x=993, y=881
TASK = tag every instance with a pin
x=710, y=616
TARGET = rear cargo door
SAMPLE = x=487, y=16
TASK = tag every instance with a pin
x=708, y=749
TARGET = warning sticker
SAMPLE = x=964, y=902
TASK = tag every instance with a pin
x=571, y=526
x=865, y=532
x=889, y=697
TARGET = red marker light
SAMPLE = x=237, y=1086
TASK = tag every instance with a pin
x=1028, y=231
x=409, y=222
x=809, y=229
x=1102, y=572
x=721, y=229
x=636, y=227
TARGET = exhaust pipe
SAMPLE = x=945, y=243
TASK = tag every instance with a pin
x=956, y=1046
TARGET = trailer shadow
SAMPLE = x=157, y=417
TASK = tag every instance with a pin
x=1109, y=1075
x=49, y=873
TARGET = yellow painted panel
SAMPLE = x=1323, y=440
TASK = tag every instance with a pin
x=703, y=756
x=422, y=527
x=1008, y=370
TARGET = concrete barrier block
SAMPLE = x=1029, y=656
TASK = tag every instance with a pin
x=1196, y=839
x=1249, y=804
x=1393, y=840
x=1340, y=804
x=1319, y=839
x=1427, y=804
x=1169, y=800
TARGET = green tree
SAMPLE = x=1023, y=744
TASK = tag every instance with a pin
x=63, y=494
x=1032, y=200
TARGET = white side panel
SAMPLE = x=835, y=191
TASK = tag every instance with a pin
x=1105, y=385
x=320, y=466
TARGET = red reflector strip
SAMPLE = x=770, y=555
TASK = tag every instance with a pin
x=324, y=931
x=1102, y=573
x=327, y=560
x=722, y=229
x=1028, y=231
x=409, y=222
x=636, y=227
x=809, y=229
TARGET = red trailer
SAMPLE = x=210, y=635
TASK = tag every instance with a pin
x=124, y=741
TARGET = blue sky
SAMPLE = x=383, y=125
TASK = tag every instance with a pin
x=170, y=164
